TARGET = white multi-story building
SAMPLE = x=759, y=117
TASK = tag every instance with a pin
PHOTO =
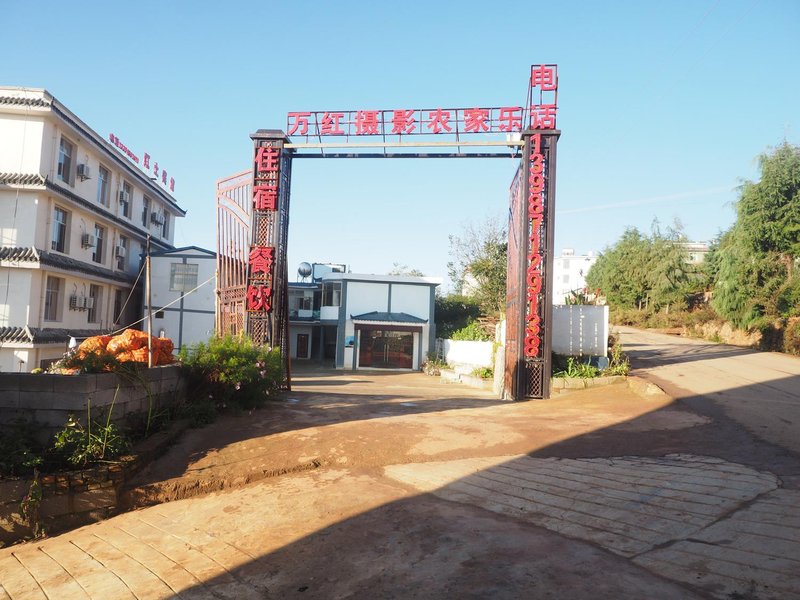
x=75, y=214
x=569, y=273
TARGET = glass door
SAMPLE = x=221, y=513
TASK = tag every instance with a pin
x=386, y=349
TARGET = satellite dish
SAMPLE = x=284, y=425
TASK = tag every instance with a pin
x=304, y=270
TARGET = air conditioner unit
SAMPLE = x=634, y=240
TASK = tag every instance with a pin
x=124, y=196
x=89, y=302
x=88, y=240
x=156, y=218
x=84, y=172
x=120, y=251
x=74, y=302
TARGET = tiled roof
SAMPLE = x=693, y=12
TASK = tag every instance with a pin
x=19, y=254
x=44, y=335
x=61, y=262
x=18, y=101
x=388, y=317
x=22, y=178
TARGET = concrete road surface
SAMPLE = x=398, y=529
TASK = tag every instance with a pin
x=758, y=390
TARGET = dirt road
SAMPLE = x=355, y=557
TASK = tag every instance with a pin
x=758, y=390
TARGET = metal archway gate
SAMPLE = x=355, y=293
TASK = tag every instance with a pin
x=253, y=212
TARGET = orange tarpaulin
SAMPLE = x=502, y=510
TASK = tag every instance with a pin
x=130, y=345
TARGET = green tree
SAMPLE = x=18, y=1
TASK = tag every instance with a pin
x=454, y=312
x=756, y=259
x=402, y=269
x=479, y=256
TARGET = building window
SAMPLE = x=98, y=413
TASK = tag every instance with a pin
x=52, y=298
x=118, y=300
x=566, y=278
x=331, y=294
x=96, y=297
x=99, y=243
x=66, y=151
x=304, y=303
x=122, y=252
x=145, y=210
x=103, y=186
x=125, y=199
x=159, y=313
x=60, y=221
x=165, y=226
x=182, y=277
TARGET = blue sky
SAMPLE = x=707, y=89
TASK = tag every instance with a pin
x=664, y=106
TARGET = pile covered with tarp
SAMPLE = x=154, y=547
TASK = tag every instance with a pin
x=128, y=346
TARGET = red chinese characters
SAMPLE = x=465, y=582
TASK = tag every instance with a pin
x=265, y=197
x=267, y=159
x=535, y=201
x=300, y=123
x=510, y=119
x=403, y=121
x=543, y=116
x=544, y=77
x=475, y=120
x=261, y=259
x=259, y=298
x=330, y=124
x=259, y=292
x=438, y=121
x=367, y=122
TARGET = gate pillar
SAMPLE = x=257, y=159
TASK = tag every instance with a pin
x=529, y=302
x=267, y=302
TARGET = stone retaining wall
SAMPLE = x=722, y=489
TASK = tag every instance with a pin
x=48, y=400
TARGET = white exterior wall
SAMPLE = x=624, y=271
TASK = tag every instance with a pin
x=412, y=299
x=580, y=330
x=468, y=354
x=15, y=285
x=364, y=297
x=21, y=150
x=197, y=326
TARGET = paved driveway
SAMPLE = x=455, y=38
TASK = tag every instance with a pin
x=399, y=486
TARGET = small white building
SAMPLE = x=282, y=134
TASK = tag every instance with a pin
x=183, y=293
x=569, y=273
x=75, y=214
x=364, y=321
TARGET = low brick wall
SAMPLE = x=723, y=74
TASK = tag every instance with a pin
x=74, y=498
x=48, y=400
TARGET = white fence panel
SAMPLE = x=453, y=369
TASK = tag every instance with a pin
x=580, y=330
x=474, y=354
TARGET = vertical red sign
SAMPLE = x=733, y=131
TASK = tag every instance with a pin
x=261, y=259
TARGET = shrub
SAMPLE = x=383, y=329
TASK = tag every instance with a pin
x=97, y=442
x=483, y=372
x=791, y=337
x=473, y=332
x=19, y=452
x=571, y=366
x=232, y=370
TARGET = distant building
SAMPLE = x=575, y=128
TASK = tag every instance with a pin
x=183, y=295
x=75, y=215
x=569, y=273
x=695, y=251
x=363, y=321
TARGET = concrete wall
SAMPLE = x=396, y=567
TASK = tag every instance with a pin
x=580, y=330
x=412, y=299
x=468, y=354
x=48, y=400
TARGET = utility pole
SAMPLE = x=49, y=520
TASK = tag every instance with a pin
x=148, y=287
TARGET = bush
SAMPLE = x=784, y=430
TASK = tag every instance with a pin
x=99, y=441
x=483, y=372
x=19, y=452
x=473, y=332
x=791, y=337
x=232, y=370
x=571, y=366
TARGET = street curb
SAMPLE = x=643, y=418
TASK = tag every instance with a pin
x=646, y=389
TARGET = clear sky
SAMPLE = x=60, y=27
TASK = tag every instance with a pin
x=664, y=106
